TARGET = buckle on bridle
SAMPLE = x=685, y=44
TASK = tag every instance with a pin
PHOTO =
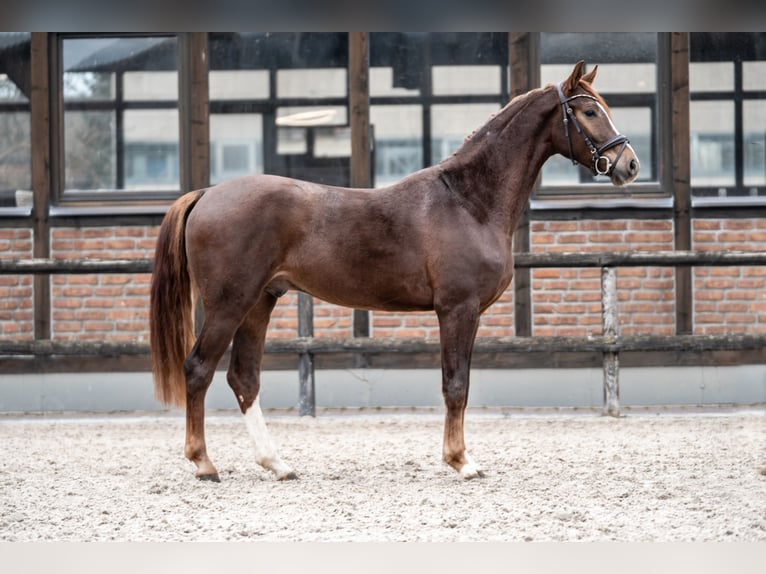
x=597, y=159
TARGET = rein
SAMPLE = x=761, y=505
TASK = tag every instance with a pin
x=602, y=165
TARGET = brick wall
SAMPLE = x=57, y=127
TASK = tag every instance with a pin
x=564, y=301
x=101, y=307
x=16, y=302
x=729, y=299
x=567, y=302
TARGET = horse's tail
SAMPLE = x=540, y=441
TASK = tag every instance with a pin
x=171, y=321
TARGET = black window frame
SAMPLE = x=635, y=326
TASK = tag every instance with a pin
x=62, y=197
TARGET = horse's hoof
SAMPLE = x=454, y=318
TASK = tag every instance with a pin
x=209, y=477
x=289, y=476
x=469, y=472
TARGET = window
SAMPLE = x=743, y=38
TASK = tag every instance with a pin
x=627, y=79
x=120, y=117
x=728, y=115
x=428, y=91
x=278, y=104
x=15, y=120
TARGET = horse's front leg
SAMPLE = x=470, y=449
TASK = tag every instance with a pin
x=457, y=327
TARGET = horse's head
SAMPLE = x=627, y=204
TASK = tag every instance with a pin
x=588, y=135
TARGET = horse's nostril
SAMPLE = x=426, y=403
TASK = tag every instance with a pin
x=632, y=166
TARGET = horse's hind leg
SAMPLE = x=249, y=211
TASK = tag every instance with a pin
x=199, y=368
x=457, y=330
x=244, y=378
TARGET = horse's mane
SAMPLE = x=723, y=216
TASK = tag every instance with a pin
x=516, y=105
x=504, y=115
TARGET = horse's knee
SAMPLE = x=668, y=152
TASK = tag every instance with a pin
x=245, y=388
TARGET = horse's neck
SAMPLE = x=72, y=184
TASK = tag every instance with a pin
x=496, y=167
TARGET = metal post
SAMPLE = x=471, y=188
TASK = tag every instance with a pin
x=307, y=397
x=611, y=330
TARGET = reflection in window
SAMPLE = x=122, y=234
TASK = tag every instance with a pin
x=239, y=84
x=236, y=146
x=90, y=159
x=627, y=78
x=121, y=126
x=15, y=120
x=727, y=114
x=428, y=92
x=451, y=124
x=754, y=117
x=712, y=144
x=462, y=80
x=296, y=85
x=398, y=134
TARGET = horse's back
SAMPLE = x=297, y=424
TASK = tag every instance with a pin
x=354, y=247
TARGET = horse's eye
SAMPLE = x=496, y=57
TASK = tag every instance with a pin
x=590, y=113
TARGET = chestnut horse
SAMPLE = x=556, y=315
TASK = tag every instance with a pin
x=440, y=239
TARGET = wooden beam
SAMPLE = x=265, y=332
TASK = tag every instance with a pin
x=40, y=266
x=359, y=118
x=40, y=106
x=679, y=70
x=30, y=364
x=522, y=54
x=193, y=110
x=406, y=346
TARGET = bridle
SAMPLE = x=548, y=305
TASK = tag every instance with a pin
x=602, y=165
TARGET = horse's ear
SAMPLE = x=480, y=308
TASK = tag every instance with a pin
x=571, y=82
x=590, y=76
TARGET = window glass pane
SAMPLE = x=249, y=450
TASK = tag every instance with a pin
x=451, y=80
x=121, y=128
x=727, y=114
x=450, y=124
x=9, y=90
x=754, y=120
x=89, y=144
x=236, y=146
x=448, y=82
x=15, y=119
x=88, y=86
x=711, y=76
x=151, y=145
x=297, y=85
x=292, y=141
x=318, y=83
x=15, y=154
x=712, y=144
x=150, y=85
x=754, y=75
x=238, y=84
x=627, y=78
x=398, y=132
x=397, y=64
x=382, y=83
x=332, y=142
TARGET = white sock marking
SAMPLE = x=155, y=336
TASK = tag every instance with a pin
x=265, y=449
x=470, y=468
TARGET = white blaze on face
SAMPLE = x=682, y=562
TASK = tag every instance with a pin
x=265, y=449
